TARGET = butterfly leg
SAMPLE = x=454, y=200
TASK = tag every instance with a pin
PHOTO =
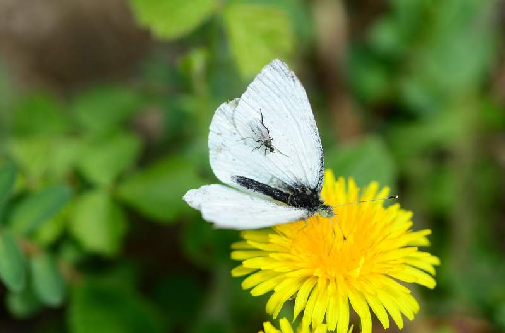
x=334, y=233
x=298, y=231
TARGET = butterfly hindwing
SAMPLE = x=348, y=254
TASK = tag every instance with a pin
x=232, y=209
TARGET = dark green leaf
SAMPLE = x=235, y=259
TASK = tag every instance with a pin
x=212, y=325
x=105, y=159
x=369, y=78
x=157, y=190
x=257, y=34
x=409, y=139
x=12, y=270
x=7, y=179
x=71, y=252
x=98, y=223
x=206, y=246
x=386, y=38
x=39, y=207
x=366, y=161
x=187, y=289
x=437, y=188
x=47, y=281
x=23, y=304
x=172, y=19
x=102, y=109
x=499, y=315
x=105, y=307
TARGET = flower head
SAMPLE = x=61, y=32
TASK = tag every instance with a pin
x=360, y=258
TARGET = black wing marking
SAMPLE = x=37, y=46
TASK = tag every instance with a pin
x=298, y=196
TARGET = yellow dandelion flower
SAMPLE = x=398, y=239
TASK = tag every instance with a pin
x=326, y=265
x=285, y=327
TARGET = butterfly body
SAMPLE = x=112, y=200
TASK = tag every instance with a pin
x=298, y=196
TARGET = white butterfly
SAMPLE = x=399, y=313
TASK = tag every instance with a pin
x=265, y=145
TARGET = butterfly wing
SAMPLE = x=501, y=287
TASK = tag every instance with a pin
x=232, y=209
x=276, y=105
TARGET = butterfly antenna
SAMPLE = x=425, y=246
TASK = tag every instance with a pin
x=296, y=235
x=391, y=197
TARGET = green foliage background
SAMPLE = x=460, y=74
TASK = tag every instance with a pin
x=94, y=235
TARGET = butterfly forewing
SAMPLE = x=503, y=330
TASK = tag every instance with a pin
x=274, y=107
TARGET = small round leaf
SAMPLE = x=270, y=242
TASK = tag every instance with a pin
x=47, y=281
x=12, y=271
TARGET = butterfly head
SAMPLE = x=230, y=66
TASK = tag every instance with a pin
x=326, y=211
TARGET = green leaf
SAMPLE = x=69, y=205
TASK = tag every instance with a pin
x=204, y=245
x=7, y=180
x=370, y=79
x=98, y=223
x=65, y=153
x=437, y=188
x=39, y=207
x=413, y=138
x=23, y=304
x=71, y=252
x=257, y=34
x=499, y=315
x=172, y=19
x=366, y=161
x=47, y=281
x=104, y=108
x=50, y=231
x=449, y=59
x=12, y=270
x=194, y=65
x=105, y=159
x=188, y=291
x=301, y=17
x=211, y=325
x=43, y=157
x=386, y=37
x=39, y=114
x=108, y=307
x=32, y=155
x=157, y=190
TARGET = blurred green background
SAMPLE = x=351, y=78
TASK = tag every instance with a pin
x=104, y=114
